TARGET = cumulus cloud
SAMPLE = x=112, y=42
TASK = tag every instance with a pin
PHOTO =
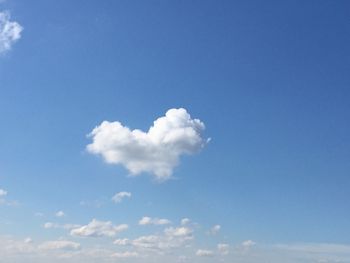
x=10, y=32
x=156, y=151
x=204, y=253
x=98, y=229
x=60, y=244
x=223, y=249
x=153, y=221
x=169, y=239
x=178, y=231
x=118, y=197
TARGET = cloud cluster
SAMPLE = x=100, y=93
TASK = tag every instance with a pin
x=10, y=32
x=170, y=238
x=98, y=229
x=156, y=151
x=153, y=221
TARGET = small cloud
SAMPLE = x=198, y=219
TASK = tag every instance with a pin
x=118, y=197
x=3, y=192
x=98, y=229
x=153, y=221
x=49, y=225
x=248, y=243
x=223, y=249
x=59, y=245
x=178, y=231
x=156, y=151
x=126, y=254
x=60, y=214
x=10, y=32
x=121, y=242
x=204, y=253
x=215, y=229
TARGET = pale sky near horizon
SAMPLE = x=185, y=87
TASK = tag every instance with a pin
x=179, y=131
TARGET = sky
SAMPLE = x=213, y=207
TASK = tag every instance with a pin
x=174, y=131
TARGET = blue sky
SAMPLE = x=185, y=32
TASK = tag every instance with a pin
x=254, y=151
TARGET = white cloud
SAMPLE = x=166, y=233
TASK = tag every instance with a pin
x=178, y=231
x=153, y=221
x=126, y=254
x=98, y=229
x=223, y=249
x=10, y=32
x=3, y=192
x=121, y=242
x=171, y=238
x=156, y=151
x=204, y=253
x=60, y=244
x=60, y=214
x=215, y=229
x=248, y=243
x=118, y=197
x=49, y=225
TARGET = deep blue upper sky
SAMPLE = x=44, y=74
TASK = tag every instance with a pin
x=270, y=80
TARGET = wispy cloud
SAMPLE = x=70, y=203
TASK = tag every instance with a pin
x=153, y=221
x=10, y=31
x=204, y=253
x=98, y=229
x=118, y=197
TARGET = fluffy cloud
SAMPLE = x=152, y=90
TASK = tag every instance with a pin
x=10, y=32
x=98, y=229
x=156, y=151
x=60, y=244
x=153, y=221
x=169, y=239
x=118, y=197
x=204, y=253
x=223, y=249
